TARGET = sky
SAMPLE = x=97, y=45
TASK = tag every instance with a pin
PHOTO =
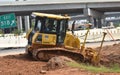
x=55, y=0
x=12, y=0
x=6, y=0
x=58, y=0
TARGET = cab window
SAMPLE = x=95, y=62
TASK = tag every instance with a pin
x=50, y=25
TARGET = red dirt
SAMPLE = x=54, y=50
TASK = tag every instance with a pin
x=19, y=65
x=110, y=54
x=25, y=65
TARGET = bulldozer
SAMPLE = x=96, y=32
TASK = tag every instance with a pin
x=50, y=37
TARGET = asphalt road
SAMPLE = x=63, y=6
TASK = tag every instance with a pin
x=11, y=51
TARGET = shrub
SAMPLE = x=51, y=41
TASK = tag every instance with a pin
x=16, y=32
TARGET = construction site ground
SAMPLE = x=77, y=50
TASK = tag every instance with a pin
x=22, y=64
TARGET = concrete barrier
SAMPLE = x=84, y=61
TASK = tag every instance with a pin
x=95, y=35
x=9, y=40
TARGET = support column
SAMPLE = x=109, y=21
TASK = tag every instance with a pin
x=99, y=23
x=95, y=23
x=94, y=17
x=103, y=21
x=27, y=23
x=30, y=21
x=19, y=22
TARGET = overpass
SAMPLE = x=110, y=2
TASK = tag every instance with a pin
x=59, y=7
x=93, y=10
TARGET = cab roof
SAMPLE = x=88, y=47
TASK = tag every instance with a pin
x=50, y=15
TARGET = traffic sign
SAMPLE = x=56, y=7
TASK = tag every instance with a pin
x=7, y=20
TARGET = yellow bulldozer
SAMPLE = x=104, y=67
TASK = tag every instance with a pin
x=50, y=37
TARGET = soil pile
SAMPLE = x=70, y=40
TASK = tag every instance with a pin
x=110, y=54
x=57, y=63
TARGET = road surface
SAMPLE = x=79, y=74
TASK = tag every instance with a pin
x=4, y=52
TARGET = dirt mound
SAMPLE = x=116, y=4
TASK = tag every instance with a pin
x=57, y=63
x=110, y=54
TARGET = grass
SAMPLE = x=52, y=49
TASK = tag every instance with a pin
x=114, y=68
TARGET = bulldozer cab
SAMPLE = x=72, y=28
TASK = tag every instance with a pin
x=49, y=25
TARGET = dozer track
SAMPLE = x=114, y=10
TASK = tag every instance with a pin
x=45, y=54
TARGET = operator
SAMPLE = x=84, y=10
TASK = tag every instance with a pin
x=46, y=27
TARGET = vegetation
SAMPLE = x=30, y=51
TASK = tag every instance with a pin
x=113, y=68
x=117, y=24
x=33, y=23
x=16, y=32
x=1, y=32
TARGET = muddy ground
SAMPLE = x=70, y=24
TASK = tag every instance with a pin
x=24, y=65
